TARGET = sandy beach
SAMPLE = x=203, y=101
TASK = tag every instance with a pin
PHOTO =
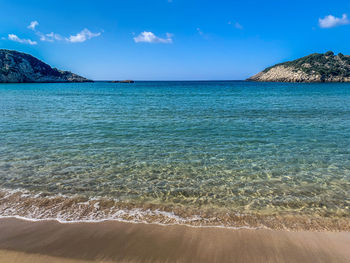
x=51, y=241
x=174, y=131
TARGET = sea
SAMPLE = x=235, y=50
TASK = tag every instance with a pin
x=232, y=154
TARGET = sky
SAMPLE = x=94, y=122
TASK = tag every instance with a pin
x=172, y=39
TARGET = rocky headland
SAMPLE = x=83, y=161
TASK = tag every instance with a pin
x=17, y=67
x=312, y=68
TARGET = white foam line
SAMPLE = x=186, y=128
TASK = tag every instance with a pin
x=131, y=222
x=136, y=212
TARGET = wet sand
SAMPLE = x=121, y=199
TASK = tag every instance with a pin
x=50, y=241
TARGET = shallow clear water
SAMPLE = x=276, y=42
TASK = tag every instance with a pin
x=208, y=148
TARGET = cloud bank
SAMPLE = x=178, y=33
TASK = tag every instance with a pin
x=82, y=36
x=332, y=21
x=15, y=38
x=149, y=37
x=51, y=37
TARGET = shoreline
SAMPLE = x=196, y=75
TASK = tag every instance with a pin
x=112, y=241
x=172, y=224
x=24, y=205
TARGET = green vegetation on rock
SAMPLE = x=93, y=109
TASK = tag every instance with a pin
x=315, y=67
x=20, y=67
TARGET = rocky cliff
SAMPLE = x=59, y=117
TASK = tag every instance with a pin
x=313, y=68
x=20, y=67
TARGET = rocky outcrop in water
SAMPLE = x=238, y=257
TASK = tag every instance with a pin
x=313, y=68
x=17, y=67
x=122, y=81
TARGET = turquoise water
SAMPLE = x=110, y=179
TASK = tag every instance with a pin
x=186, y=150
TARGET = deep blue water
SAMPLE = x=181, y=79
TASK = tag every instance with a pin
x=238, y=146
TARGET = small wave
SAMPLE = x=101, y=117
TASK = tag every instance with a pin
x=26, y=205
x=70, y=209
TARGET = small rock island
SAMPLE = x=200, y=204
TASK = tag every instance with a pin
x=122, y=81
x=17, y=67
x=316, y=67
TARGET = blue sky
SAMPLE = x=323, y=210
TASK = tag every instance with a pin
x=172, y=39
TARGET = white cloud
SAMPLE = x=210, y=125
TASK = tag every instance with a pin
x=149, y=37
x=33, y=25
x=332, y=21
x=82, y=36
x=15, y=38
x=50, y=37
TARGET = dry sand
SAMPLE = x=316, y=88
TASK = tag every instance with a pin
x=50, y=241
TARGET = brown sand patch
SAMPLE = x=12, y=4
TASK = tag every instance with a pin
x=23, y=241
